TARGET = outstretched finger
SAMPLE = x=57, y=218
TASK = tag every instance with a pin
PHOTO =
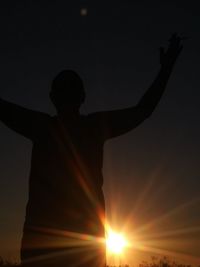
x=180, y=49
x=175, y=45
x=173, y=37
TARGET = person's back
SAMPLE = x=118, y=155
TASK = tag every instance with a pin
x=65, y=173
x=65, y=192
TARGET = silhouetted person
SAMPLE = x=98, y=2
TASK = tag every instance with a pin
x=64, y=224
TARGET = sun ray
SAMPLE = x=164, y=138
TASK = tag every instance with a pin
x=167, y=215
x=140, y=202
x=66, y=243
x=173, y=233
x=68, y=238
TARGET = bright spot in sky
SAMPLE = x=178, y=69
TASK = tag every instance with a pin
x=84, y=11
x=115, y=242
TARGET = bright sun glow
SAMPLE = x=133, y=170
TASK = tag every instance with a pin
x=115, y=242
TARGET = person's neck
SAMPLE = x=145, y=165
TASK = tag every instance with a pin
x=69, y=114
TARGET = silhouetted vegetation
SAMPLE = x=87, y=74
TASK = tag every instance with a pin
x=156, y=262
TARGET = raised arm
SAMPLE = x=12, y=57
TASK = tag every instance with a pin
x=117, y=122
x=23, y=121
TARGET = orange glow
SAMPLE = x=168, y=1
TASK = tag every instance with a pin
x=115, y=242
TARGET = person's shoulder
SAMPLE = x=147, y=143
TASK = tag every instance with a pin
x=93, y=115
x=90, y=118
x=96, y=126
x=44, y=122
x=94, y=121
x=43, y=118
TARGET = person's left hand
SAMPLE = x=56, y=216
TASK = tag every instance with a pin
x=169, y=57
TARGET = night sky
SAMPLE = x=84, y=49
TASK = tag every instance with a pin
x=151, y=174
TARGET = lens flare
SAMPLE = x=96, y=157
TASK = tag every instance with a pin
x=115, y=242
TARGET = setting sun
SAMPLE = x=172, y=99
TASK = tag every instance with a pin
x=115, y=242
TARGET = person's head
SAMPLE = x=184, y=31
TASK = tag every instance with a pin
x=67, y=91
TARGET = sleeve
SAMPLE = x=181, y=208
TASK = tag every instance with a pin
x=23, y=121
x=110, y=124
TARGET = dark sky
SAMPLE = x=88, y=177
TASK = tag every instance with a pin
x=152, y=174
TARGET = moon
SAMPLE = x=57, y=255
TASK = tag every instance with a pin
x=83, y=11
